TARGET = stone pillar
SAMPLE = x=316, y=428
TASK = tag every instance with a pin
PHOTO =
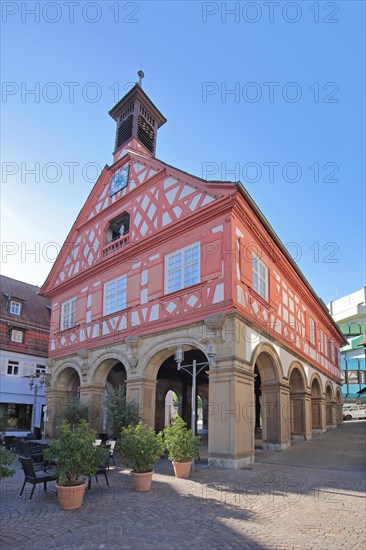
x=143, y=391
x=331, y=422
x=55, y=399
x=94, y=397
x=276, y=416
x=231, y=416
x=300, y=415
x=318, y=415
x=307, y=416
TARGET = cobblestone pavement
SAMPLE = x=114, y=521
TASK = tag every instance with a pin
x=309, y=497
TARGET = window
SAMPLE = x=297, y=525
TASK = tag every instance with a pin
x=40, y=369
x=329, y=348
x=68, y=314
x=17, y=336
x=118, y=228
x=260, y=277
x=352, y=377
x=312, y=331
x=15, y=307
x=115, y=295
x=336, y=355
x=182, y=268
x=13, y=368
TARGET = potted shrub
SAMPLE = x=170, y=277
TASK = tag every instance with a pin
x=181, y=445
x=6, y=460
x=140, y=447
x=75, y=459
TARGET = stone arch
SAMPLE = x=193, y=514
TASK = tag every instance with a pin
x=272, y=398
x=151, y=361
x=65, y=376
x=298, y=386
x=65, y=383
x=316, y=377
x=99, y=370
x=269, y=363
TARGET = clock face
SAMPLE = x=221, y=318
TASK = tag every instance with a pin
x=119, y=180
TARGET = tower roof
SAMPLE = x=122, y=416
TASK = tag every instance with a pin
x=137, y=93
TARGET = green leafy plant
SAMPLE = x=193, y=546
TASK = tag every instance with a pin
x=6, y=459
x=73, y=454
x=73, y=411
x=120, y=412
x=140, y=447
x=180, y=442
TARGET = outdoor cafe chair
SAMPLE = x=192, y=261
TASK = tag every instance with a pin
x=35, y=473
x=112, y=447
x=101, y=470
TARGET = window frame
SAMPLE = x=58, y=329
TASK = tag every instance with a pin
x=266, y=281
x=13, y=365
x=63, y=315
x=312, y=331
x=124, y=304
x=15, y=303
x=181, y=251
x=16, y=330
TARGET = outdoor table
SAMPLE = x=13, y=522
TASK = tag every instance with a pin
x=42, y=442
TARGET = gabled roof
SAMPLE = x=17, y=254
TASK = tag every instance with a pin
x=35, y=309
x=100, y=201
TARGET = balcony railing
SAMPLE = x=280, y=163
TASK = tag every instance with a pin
x=115, y=245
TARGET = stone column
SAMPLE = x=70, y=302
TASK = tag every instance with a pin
x=143, y=391
x=331, y=422
x=276, y=416
x=231, y=416
x=55, y=399
x=300, y=415
x=94, y=397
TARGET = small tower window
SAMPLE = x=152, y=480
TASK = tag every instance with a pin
x=146, y=134
x=118, y=228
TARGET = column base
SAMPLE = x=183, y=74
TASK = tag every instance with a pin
x=230, y=463
x=332, y=427
x=275, y=446
x=317, y=431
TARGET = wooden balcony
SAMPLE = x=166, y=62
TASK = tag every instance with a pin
x=115, y=246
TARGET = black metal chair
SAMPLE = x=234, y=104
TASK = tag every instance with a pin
x=36, y=473
x=33, y=451
x=111, y=443
x=101, y=470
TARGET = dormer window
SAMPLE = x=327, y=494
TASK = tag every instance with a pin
x=15, y=307
x=118, y=228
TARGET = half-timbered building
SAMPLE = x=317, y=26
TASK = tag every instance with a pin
x=162, y=266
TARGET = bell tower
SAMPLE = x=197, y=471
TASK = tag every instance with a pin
x=137, y=118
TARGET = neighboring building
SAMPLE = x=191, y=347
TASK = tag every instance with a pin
x=24, y=329
x=160, y=262
x=350, y=314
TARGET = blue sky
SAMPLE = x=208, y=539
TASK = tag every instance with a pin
x=292, y=130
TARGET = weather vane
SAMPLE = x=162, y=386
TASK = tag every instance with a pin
x=141, y=75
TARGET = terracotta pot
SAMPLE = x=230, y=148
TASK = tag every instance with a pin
x=182, y=469
x=142, y=481
x=71, y=497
